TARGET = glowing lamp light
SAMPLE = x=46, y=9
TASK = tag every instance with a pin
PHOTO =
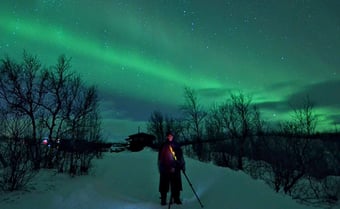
x=45, y=141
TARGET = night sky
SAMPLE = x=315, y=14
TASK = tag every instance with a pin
x=142, y=53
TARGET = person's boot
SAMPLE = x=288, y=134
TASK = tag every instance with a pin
x=178, y=201
x=163, y=199
x=176, y=198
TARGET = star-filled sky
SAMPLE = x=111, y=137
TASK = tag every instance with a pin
x=142, y=53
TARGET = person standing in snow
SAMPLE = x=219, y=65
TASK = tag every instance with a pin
x=170, y=164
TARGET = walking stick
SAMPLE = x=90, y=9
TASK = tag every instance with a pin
x=192, y=188
x=169, y=205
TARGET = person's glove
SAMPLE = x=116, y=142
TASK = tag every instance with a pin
x=181, y=166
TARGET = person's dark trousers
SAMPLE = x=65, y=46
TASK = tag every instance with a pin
x=164, y=182
x=173, y=181
x=163, y=198
x=176, y=197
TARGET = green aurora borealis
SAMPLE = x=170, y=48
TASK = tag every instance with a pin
x=142, y=53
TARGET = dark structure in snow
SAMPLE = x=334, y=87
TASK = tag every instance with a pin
x=137, y=142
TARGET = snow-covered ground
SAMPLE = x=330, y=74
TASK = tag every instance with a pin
x=130, y=180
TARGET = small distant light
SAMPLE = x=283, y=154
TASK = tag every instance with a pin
x=45, y=141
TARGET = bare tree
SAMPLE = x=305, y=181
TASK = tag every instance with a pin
x=82, y=123
x=19, y=168
x=305, y=119
x=295, y=154
x=56, y=102
x=194, y=115
x=22, y=88
x=2, y=136
x=57, y=89
x=194, y=112
x=241, y=121
x=156, y=125
x=214, y=124
x=51, y=117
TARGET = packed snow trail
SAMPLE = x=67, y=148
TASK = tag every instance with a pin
x=129, y=180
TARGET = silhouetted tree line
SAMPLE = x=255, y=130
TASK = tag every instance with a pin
x=51, y=102
x=292, y=158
